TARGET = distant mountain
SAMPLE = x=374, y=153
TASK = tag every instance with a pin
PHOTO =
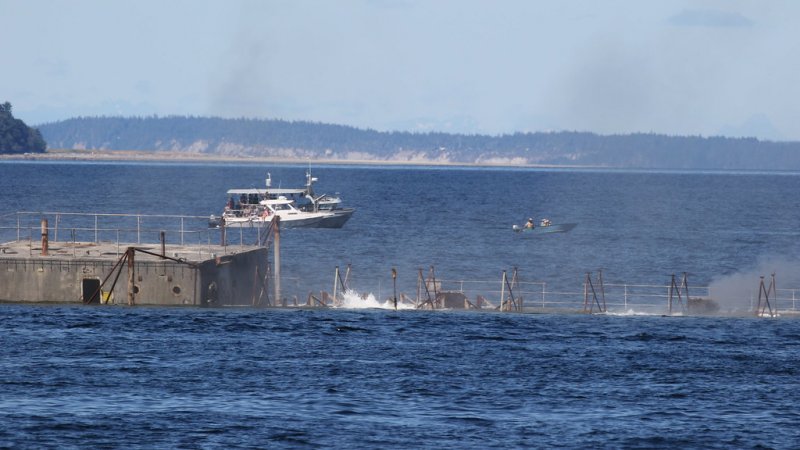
x=15, y=136
x=308, y=140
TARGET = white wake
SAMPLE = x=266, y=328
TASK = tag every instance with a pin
x=353, y=300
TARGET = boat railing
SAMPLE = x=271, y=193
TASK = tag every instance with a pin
x=619, y=298
x=787, y=300
x=119, y=228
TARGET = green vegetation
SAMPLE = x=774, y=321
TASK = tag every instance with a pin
x=308, y=140
x=15, y=136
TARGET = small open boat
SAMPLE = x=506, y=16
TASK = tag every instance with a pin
x=545, y=229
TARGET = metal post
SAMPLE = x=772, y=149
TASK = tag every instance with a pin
x=346, y=283
x=515, y=285
x=163, y=243
x=503, y=292
x=44, y=237
x=625, y=298
x=95, y=228
x=222, y=231
x=131, y=276
x=775, y=293
x=586, y=293
x=669, y=294
x=394, y=283
x=335, y=282
x=419, y=289
x=544, y=289
x=138, y=229
x=602, y=288
x=181, y=230
x=276, y=242
x=685, y=286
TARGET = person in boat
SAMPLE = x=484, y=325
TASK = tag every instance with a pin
x=529, y=224
x=545, y=223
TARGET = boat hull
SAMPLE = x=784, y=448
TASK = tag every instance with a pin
x=334, y=219
x=337, y=220
x=555, y=228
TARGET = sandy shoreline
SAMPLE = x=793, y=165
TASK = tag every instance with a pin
x=131, y=155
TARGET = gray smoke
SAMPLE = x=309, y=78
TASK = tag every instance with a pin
x=738, y=292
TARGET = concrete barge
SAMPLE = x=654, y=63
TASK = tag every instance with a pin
x=114, y=272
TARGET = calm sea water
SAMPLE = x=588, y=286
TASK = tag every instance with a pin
x=74, y=376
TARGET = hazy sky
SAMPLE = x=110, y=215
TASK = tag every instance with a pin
x=717, y=67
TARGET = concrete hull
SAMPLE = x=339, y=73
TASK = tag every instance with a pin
x=237, y=279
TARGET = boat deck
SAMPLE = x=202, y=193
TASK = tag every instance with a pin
x=112, y=250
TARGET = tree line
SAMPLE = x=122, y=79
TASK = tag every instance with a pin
x=303, y=139
x=15, y=136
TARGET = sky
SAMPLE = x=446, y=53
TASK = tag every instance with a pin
x=702, y=67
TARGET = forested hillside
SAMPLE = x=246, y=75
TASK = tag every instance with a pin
x=307, y=140
x=15, y=136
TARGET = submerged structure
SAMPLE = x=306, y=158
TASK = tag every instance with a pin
x=133, y=260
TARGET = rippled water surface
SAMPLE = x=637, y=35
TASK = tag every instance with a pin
x=119, y=377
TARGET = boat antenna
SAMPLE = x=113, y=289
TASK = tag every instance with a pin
x=309, y=182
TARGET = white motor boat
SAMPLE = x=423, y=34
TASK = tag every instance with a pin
x=257, y=207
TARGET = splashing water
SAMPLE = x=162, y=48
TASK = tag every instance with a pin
x=353, y=300
x=632, y=312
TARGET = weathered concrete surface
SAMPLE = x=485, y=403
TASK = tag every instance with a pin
x=72, y=273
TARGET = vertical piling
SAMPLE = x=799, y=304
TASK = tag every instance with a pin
x=163, y=238
x=678, y=291
x=586, y=282
x=276, y=238
x=764, y=304
x=131, y=276
x=669, y=294
x=602, y=288
x=222, y=231
x=44, y=237
x=503, y=292
x=432, y=276
x=421, y=284
x=346, y=281
x=588, y=304
x=335, y=282
x=394, y=285
x=430, y=301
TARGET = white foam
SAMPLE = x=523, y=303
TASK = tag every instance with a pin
x=353, y=300
x=631, y=312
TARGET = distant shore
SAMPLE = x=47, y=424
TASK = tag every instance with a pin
x=161, y=156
